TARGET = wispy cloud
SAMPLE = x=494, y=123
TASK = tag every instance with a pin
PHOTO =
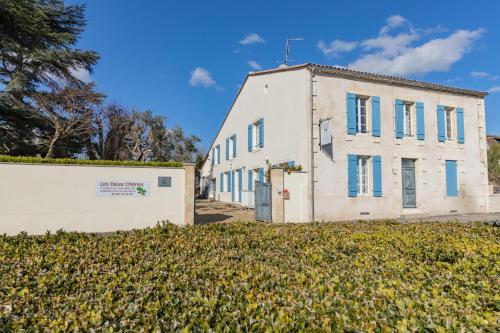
x=479, y=75
x=81, y=74
x=494, y=90
x=252, y=38
x=336, y=47
x=397, y=54
x=483, y=75
x=455, y=79
x=392, y=22
x=200, y=77
x=254, y=65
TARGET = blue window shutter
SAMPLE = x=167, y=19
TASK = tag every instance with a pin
x=240, y=184
x=227, y=149
x=232, y=186
x=351, y=113
x=261, y=132
x=250, y=180
x=420, y=121
x=218, y=154
x=440, y=123
x=460, y=125
x=451, y=178
x=229, y=181
x=250, y=134
x=222, y=181
x=375, y=116
x=261, y=175
x=213, y=155
x=377, y=176
x=234, y=146
x=352, y=181
x=399, y=119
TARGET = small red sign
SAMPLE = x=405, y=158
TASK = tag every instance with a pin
x=286, y=194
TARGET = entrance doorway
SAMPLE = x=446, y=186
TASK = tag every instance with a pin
x=263, y=201
x=409, y=184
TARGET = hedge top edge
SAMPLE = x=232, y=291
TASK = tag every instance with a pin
x=69, y=161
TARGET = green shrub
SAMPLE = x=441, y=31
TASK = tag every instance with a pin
x=494, y=163
x=255, y=277
x=39, y=160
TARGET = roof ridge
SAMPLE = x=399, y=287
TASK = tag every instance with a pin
x=388, y=79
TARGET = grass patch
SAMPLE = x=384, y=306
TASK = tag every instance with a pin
x=66, y=161
x=254, y=277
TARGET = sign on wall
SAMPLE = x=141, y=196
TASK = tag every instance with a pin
x=126, y=188
x=325, y=134
x=164, y=181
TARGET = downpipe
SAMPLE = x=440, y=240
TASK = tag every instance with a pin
x=312, y=72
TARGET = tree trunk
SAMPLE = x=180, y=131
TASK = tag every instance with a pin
x=55, y=138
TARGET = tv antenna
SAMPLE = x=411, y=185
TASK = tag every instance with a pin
x=287, y=48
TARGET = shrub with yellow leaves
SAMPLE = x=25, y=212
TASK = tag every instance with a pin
x=364, y=276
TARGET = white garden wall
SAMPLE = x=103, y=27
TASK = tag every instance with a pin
x=494, y=203
x=296, y=209
x=40, y=197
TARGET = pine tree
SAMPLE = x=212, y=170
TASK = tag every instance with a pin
x=37, y=51
x=37, y=44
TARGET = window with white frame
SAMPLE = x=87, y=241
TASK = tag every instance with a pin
x=408, y=119
x=255, y=135
x=217, y=154
x=232, y=142
x=361, y=114
x=362, y=174
x=449, y=129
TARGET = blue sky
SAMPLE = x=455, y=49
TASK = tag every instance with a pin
x=186, y=59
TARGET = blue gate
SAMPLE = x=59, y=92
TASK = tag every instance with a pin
x=263, y=201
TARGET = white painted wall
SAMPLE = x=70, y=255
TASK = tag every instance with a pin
x=36, y=198
x=494, y=203
x=286, y=109
x=282, y=100
x=332, y=201
x=295, y=209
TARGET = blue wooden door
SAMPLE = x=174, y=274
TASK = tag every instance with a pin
x=409, y=188
x=263, y=202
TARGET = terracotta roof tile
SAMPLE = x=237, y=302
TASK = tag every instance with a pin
x=372, y=77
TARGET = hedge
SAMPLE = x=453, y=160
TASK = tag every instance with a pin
x=374, y=277
x=39, y=160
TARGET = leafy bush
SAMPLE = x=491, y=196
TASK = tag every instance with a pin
x=39, y=160
x=255, y=277
x=494, y=163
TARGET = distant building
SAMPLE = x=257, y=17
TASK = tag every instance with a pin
x=373, y=146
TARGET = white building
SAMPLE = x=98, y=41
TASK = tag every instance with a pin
x=390, y=146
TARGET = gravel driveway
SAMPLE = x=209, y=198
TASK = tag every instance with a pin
x=215, y=211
